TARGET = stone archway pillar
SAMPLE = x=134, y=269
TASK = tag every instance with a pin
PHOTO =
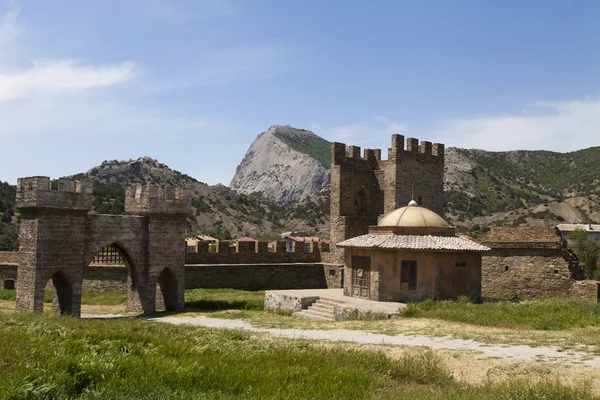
x=51, y=239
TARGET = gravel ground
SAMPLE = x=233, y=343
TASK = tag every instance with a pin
x=505, y=352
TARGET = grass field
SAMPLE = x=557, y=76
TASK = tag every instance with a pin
x=198, y=299
x=547, y=314
x=46, y=357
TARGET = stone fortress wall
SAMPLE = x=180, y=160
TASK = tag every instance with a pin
x=365, y=188
x=532, y=263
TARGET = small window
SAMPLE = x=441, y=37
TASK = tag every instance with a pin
x=555, y=271
x=332, y=272
x=506, y=268
x=408, y=275
x=9, y=284
x=461, y=264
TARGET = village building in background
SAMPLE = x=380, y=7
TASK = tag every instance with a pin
x=192, y=243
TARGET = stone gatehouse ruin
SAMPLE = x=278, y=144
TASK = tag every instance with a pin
x=59, y=236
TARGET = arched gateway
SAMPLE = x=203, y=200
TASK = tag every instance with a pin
x=59, y=236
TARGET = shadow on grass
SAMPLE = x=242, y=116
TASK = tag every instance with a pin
x=220, y=305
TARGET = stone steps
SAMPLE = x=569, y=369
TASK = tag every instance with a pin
x=321, y=310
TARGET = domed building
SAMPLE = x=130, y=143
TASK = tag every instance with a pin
x=412, y=255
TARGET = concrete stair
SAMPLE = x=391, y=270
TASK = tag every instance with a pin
x=321, y=310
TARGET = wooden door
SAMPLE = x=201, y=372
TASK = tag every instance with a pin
x=361, y=274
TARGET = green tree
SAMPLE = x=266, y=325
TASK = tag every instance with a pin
x=586, y=250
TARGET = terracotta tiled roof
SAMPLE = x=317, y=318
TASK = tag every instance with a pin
x=245, y=239
x=506, y=234
x=303, y=238
x=413, y=242
x=206, y=238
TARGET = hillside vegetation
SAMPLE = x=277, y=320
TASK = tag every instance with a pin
x=8, y=230
x=216, y=210
x=484, y=188
x=309, y=144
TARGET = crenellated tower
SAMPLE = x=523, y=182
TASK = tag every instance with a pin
x=365, y=188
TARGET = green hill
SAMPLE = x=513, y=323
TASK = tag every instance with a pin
x=8, y=229
x=309, y=144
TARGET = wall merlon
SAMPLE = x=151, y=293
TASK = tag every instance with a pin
x=438, y=150
x=354, y=152
x=84, y=187
x=412, y=145
x=372, y=154
x=33, y=183
x=398, y=142
x=425, y=147
x=338, y=153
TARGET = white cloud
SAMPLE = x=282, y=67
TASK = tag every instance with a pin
x=55, y=77
x=558, y=126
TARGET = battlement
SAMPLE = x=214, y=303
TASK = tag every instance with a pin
x=414, y=149
x=153, y=199
x=37, y=192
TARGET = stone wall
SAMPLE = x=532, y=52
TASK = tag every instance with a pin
x=9, y=257
x=531, y=263
x=530, y=273
x=235, y=276
x=264, y=276
x=259, y=253
x=105, y=279
x=252, y=258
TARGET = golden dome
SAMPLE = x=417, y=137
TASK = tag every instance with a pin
x=413, y=216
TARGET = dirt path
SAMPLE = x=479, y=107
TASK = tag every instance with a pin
x=483, y=350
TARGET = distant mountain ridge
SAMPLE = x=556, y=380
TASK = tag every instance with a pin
x=482, y=188
x=216, y=210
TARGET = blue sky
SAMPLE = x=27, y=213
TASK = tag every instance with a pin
x=192, y=83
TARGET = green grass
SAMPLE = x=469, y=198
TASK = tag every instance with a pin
x=46, y=357
x=314, y=146
x=548, y=314
x=108, y=299
x=201, y=299
x=224, y=299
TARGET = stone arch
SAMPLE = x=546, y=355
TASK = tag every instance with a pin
x=167, y=291
x=62, y=300
x=133, y=284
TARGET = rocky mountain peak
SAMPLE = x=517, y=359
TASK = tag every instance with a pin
x=284, y=165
